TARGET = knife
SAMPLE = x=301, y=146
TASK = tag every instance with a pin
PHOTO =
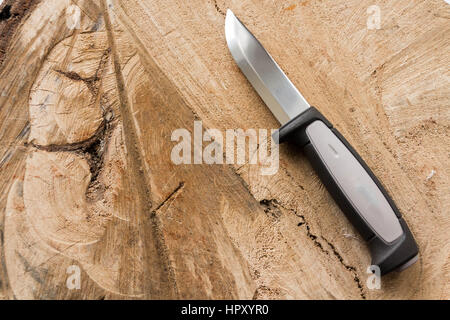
x=354, y=187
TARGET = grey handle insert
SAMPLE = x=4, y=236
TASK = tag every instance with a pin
x=355, y=183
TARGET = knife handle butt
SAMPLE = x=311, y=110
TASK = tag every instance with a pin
x=355, y=188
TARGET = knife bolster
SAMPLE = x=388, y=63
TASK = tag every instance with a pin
x=294, y=129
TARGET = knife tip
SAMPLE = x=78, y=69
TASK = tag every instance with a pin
x=229, y=30
x=230, y=18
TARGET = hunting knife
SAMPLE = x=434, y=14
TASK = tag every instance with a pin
x=354, y=187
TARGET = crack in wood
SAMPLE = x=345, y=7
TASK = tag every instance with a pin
x=171, y=196
x=348, y=267
x=273, y=206
x=91, y=82
x=75, y=146
x=92, y=150
x=218, y=9
x=5, y=14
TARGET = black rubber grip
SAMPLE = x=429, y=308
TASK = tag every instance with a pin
x=388, y=256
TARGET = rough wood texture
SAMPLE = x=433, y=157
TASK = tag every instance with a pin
x=86, y=177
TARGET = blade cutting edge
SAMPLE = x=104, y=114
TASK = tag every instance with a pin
x=273, y=86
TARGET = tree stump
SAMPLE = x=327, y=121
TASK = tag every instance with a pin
x=91, y=92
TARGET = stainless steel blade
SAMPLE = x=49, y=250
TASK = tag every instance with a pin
x=274, y=87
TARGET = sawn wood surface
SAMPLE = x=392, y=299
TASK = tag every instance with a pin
x=88, y=106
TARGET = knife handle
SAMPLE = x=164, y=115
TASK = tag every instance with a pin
x=354, y=187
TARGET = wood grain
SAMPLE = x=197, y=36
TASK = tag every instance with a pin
x=86, y=178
